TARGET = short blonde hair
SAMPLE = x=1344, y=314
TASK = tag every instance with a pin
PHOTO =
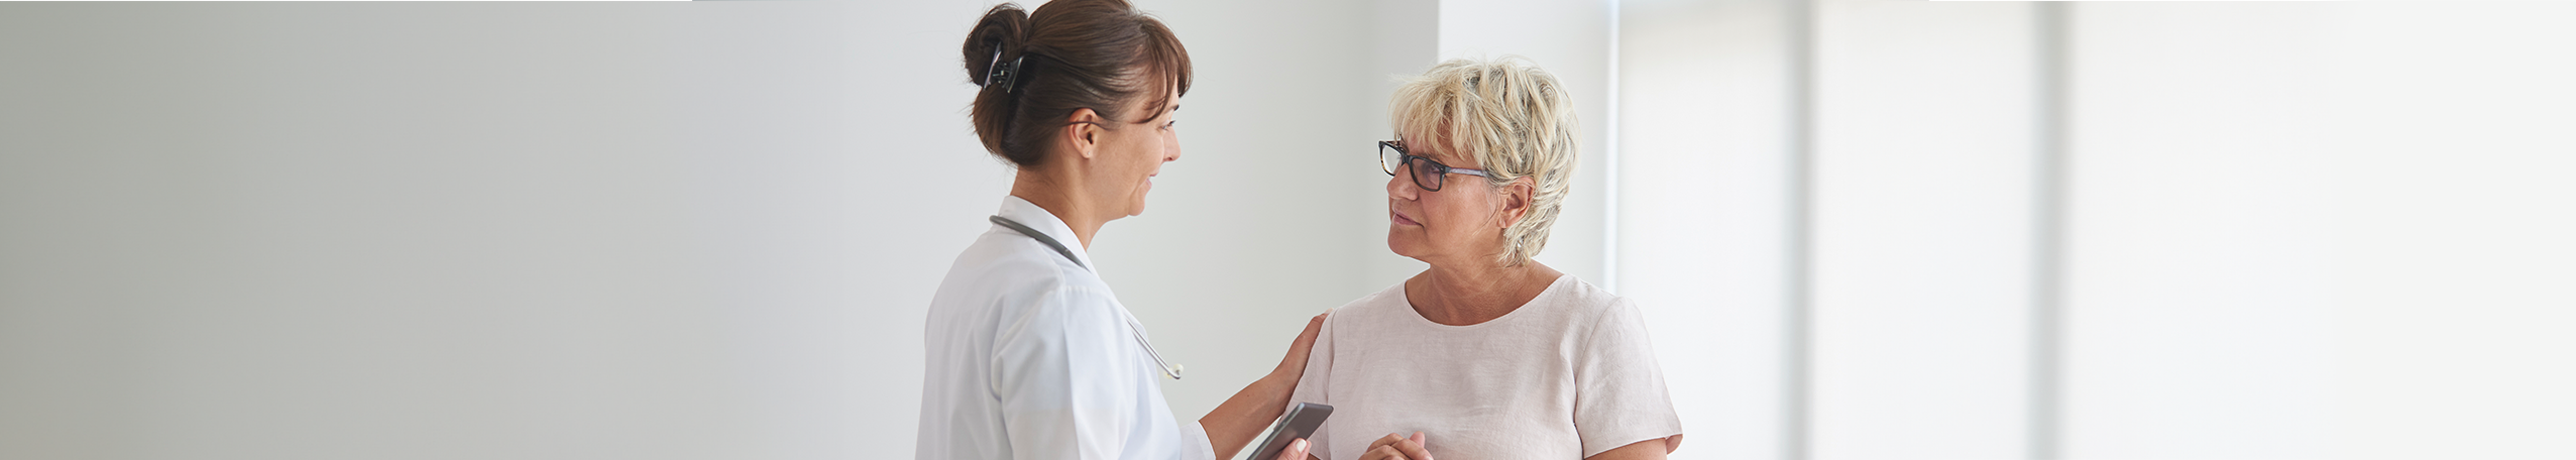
x=1513, y=117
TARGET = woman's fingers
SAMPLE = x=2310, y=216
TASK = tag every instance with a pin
x=1412, y=447
x=1383, y=453
x=1397, y=447
x=1296, y=450
x=1382, y=441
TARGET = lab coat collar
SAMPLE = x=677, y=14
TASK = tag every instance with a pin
x=1026, y=213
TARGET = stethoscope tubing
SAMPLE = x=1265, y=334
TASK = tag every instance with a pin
x=1169, y=369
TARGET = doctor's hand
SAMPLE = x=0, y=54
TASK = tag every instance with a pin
x=1293, y=366
x=1296, y=450
x=1395, y=447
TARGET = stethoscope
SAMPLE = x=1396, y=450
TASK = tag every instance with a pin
x=1173, y=370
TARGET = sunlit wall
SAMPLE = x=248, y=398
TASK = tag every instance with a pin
x=2091, y=230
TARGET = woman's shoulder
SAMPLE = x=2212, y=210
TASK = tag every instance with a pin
x=1585, y=307
x=1582, y=298
x=1382, y=302
x=1385, y=311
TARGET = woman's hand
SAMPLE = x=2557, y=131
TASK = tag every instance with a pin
x=1397, y=447
x=1293, y=366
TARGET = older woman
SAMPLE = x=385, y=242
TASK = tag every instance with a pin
x=1488, y=354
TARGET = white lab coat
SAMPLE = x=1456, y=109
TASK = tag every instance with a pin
x=1032, y=357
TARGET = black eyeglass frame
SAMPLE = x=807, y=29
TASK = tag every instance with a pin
x=1439, y=172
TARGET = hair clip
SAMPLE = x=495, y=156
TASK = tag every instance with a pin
x=1008, y=75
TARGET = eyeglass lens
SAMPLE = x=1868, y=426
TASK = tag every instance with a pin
x=1388, y=156
x=1429, y=175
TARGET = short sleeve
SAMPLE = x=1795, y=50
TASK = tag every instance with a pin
x=1620, y=398
x=1195, y=444
x=1311, y=386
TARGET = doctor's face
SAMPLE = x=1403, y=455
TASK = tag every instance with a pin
x=1463, y=221
x=1134, y=152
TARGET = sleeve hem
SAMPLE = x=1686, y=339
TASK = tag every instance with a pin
x=1673, y=445
x=1194, y=442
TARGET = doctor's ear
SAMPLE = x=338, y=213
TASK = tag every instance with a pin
x=1082, y=132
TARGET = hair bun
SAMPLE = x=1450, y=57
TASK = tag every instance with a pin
x=1100, y=55
x=996, y=39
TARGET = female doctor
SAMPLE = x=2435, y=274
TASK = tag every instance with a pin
x=1030, y=355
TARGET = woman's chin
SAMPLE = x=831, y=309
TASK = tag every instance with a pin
x=1401, y=245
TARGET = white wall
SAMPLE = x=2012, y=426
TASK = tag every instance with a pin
x=1924, y=137
x=700, y=230
x=1708, y=130
x=489, y=231
x=2451, y=256
x=2322, y=231
x=1829, y=206
x=2197, y=321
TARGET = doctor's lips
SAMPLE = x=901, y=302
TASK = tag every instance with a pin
x=1400, y=218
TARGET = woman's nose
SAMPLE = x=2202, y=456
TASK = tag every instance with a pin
x=1400, y=186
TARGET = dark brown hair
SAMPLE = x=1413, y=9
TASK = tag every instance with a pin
x=1101, y=55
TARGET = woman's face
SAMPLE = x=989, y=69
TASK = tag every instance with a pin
x=1462, y=219
x=1132, y=153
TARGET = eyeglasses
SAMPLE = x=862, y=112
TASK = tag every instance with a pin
x=1427, y=174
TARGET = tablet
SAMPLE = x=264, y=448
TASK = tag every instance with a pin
x=1300, y=422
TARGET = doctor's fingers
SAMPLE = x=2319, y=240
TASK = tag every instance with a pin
x=1296, y=450
x=1314, y=327
x=1295, y=363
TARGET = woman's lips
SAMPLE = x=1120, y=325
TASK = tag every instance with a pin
x=1401, y=220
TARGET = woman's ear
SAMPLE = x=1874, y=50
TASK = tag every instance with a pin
x=1082, y=133
x=1516, y=200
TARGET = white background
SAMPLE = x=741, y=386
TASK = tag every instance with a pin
x=706, y=230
